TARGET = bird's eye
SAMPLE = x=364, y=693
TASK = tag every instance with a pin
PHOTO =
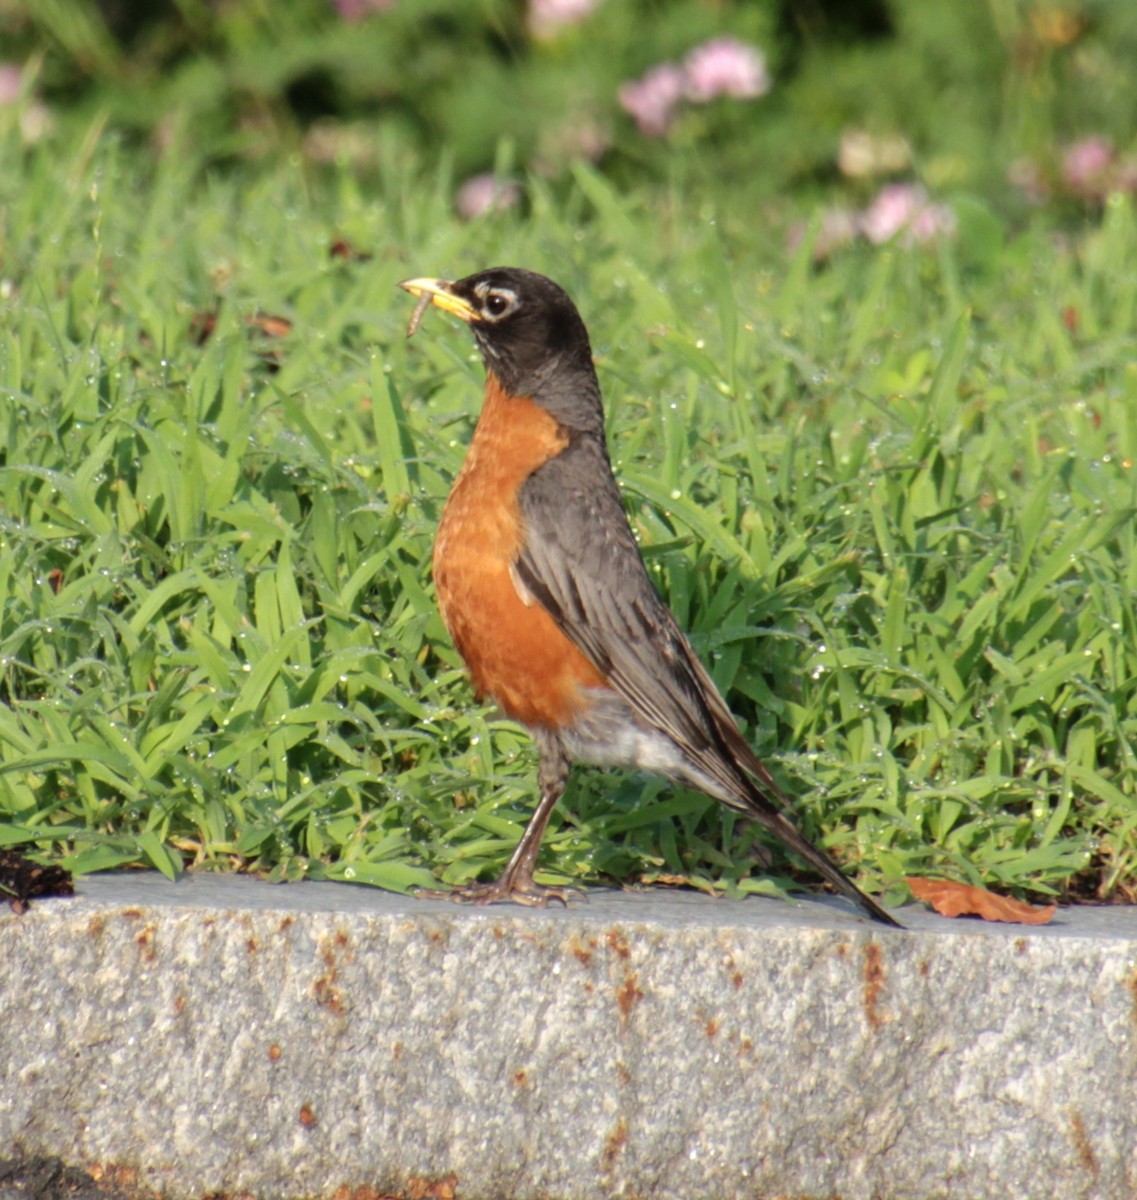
x=497, y=304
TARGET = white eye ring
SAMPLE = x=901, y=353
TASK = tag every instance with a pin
x=496, y=302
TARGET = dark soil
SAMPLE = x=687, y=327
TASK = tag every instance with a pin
x=50, y=1179
x=21, y=879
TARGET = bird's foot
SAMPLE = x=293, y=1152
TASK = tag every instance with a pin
x=521, y=889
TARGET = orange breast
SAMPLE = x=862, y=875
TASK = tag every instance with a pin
x=514, y=650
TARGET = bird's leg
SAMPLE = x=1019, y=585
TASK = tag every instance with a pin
x=516, y=882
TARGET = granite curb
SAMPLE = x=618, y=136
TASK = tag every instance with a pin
x=224, y=1037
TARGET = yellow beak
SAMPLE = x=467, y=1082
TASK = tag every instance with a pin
x=440, y=296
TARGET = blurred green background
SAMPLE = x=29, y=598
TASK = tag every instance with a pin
x=954, y=94
x=859, y=278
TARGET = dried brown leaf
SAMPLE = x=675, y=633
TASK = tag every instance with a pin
x=270, y=325
x=952, y=899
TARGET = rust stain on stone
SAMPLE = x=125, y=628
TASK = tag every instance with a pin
x=324, y=988
x=1082, y=1147
x=582, y=951
x=730, y=965
x=144, y=940
x=874, y=984
x=445, y=1188
x=328, y=995
x=618, y=944
x=614, y=1143
x=118, y=1175
x=628, y=995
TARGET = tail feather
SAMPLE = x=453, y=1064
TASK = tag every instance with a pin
x=776, y=823
x=750, y=787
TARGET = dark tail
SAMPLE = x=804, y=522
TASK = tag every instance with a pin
x=773, y=820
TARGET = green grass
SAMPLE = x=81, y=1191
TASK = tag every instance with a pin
x=892, y=499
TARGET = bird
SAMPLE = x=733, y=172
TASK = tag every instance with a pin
x=543, y=590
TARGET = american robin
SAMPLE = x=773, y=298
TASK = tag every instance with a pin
x=542, y=587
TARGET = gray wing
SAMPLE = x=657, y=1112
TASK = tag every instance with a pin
x=580, y=561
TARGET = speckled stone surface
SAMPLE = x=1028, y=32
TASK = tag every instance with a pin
x=227, y=1036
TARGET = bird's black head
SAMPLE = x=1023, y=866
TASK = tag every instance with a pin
x=531, y=337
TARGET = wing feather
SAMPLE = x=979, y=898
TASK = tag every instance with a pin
x=580, y=561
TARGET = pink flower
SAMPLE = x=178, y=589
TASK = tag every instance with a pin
x=905, y=208
x=1086, y=164
x=548, y=17
x=11, y=82
x=485, y=193
x=893, y=208
x=724, y=66
x=356, y=10
x=932, y=221
x=651, y=100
